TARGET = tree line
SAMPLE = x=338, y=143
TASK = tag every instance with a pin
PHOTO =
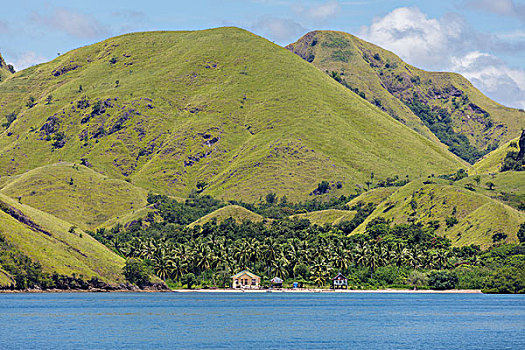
x=386, y=255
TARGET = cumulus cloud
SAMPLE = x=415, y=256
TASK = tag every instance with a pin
x=71, y=22
x=417, y=38
x=321, y=12
x=27, y=59
x=500, y=7
x=450, y=44
x=278, y=29
x=490, y=74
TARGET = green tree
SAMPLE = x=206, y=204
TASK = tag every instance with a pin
x=30, y=102
x=442, y=280
x=521, y=233
x=189, y=280
x=323, y=187
x=10, y=118
x=271, y=198
x=136, y=272
x=201, y=185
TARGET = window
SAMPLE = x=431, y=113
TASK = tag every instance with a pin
x=253, y=281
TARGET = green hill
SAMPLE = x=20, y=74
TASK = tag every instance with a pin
x=374, y=196
x=492, y=162
x=75, y=193
x=48, y=240
x=328, y=216
x=127, y=218
x=507, y=187
x=169, y=109
x=462, y=215
x=238, y=213
x=443, y=104
x=480, y=226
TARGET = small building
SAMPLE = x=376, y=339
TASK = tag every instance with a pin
x=339, y=281
x=245, y=279
x=277, y=282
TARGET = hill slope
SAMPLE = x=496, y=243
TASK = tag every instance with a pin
x=223, y=106
x=328, y=216
x=477, y=217
x=47, y=240
x=238, y=213
x=75, y=194
x=492, y=162
x=443, y=104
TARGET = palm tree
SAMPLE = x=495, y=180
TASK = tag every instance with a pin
x=163, y=267
x=399, y=256
x=319, y=273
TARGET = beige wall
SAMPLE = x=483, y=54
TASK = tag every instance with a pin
x=240, y=281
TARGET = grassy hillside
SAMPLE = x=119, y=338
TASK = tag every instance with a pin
x=374, y=196
x=507, y=187
x=47, y=240
x=468, y=122
x=238, y=213
x=482, y=224
x=75, y=194
x=492, y=162
x=438, y=201
x=130, y=216
x=169, y=109
x=329, y=216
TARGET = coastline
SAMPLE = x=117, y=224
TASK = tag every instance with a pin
x=231, y=290
x=332, y=291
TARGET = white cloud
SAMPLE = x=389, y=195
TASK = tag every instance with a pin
x=491, y=75
x=279, y=29
x=28, y=59
x=321, y=12
x=418, y=39
x=450, y=44
x=73, y=23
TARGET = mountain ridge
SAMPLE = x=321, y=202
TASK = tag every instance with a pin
x=460, y=116
x=145, y=106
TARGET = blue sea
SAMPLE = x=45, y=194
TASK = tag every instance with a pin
x=261, y=321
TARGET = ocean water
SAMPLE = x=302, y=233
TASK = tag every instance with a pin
x=261, y=320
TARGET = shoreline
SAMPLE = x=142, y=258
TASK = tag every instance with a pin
x=231, y=290
x=332, y=291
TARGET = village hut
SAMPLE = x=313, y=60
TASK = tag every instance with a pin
x=339, y=281
x=245, y=279
x=277, y=282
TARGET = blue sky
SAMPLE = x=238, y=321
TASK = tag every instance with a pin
x=482, y=39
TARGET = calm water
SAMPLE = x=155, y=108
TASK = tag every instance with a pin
x=276, y=320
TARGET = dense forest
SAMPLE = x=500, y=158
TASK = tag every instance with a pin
x=387, y=255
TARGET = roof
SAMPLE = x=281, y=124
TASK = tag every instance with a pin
x=276, y=280
x=339, y=276
x=237, y=275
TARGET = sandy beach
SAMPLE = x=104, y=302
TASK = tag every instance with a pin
x=332, y=291
x=238, y=290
